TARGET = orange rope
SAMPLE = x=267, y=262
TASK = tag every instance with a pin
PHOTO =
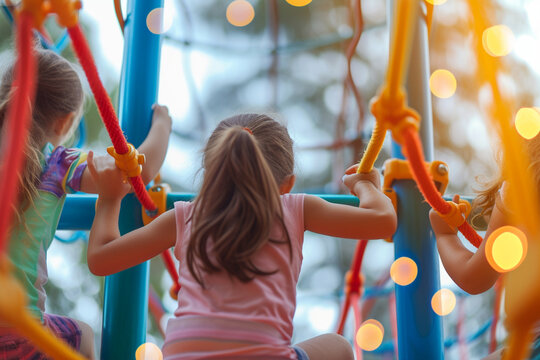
x=413, y=152
x=119, y=14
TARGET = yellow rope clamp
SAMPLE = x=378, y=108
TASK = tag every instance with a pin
x=458, y=213
x=38, y=9
x=395, y=115
x=130, y=163
x=158, y=194
x=66, y=11
x=398, y=169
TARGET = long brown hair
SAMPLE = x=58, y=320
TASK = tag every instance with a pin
x=58, y=93
x=245, y=160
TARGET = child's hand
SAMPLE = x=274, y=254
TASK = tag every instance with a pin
x=161, y=115
x=351, y=178
x=438, y=224
x=108, y=179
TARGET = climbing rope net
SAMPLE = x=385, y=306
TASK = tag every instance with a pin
x=391, y=113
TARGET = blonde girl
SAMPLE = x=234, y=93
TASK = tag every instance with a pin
x=51, y=171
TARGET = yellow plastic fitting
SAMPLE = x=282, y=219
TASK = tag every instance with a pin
x=130, y=163
x=158, y=194
x=398, y=169
x=38, y=9
x=349, y=280
x=67, y=11
x=458, y=213
x=173, y=291
x=394, y=114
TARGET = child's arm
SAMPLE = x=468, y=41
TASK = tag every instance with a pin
x=108, y=252
x=470, y=271
x=154, y=147
x=374, y=219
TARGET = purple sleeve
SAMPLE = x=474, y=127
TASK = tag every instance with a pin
x=63, y=171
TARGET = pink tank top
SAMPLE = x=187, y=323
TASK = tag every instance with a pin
x=231, y=319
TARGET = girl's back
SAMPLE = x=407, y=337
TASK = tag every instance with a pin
x=252, y=317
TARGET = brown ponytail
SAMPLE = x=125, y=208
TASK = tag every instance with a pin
x=239, y=201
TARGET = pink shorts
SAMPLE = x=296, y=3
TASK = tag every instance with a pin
x=16, y=347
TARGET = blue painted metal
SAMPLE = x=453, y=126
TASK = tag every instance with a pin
x=79, y=211
x=338, y=199
x=63, y=42
x=85, y=204
x=6, y=11
x=126, y=293
x=419, y=328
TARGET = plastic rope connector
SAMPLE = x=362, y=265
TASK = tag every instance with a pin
x=130, y=163
x=37, y=9
x=458, y=213
x=353, y=285
x=158, y=194
x=394, y=115
x=66, y=11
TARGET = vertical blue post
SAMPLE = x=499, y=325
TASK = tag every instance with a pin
x=126, y=293
x=419, y=328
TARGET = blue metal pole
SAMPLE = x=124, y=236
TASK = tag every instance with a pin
x=419, y=328
x=126, y=293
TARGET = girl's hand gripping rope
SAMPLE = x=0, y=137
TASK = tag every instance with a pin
x=107, y=177
x=130, y=163
x=448, y=223
x=352, y=178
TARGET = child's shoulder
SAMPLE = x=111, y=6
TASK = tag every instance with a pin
x=293, y=203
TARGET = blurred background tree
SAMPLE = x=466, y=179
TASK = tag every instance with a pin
x=291, y=61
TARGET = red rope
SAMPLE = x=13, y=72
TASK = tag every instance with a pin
x=17, y=124
x=496, y=310
x=106, y=108
x=171, y=267
x=355, y=300
x=344, y=313
x=156, y=309
x=393, y=322
x=462, y=342
x=352, y=283
x=413, y=152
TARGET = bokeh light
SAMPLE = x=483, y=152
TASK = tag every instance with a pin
x=159, y=21
x=498, y=40
x=442, y=83
x=436, y=2
x=148, y=351
x=240, y=13
x=299, y=2
x=403, y=271
x=370, y=335
x=506, y=248
x=443, y=302
x=527, y=122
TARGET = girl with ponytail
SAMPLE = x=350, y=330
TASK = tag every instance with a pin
x=239, y=244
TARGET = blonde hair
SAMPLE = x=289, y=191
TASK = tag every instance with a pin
x=484, y=203
x=245, y=160
x=59, y=92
